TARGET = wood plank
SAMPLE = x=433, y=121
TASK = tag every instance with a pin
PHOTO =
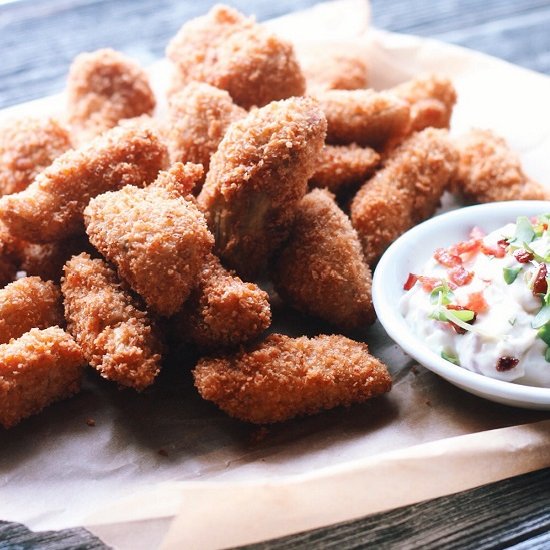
x=511, y=512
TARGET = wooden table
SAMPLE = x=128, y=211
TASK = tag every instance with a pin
x=39, y=38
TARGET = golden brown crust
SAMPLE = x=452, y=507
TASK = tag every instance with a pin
x=431, y=98
x=404, y=192
x=27, y=146
x=321, y=270
x=29, y=303
x=489, y=171
x=117, y=337
x=50, y=209
x=198, y=118
x=157, y=239
x=333, y=66
x=103, y=88
x=223, y=310
x=232, y=52
x=40, y=367
x=256, y=177
x=285, y=377
x=368, y=118
x=342, y=166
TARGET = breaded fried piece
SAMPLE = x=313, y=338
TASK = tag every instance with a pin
x=157, y=239
x=256, y=177
x=431, y=98
x=223, y=310
x=232, y=52
x=50, y=209
x=342, y=166
x=117, y=336
x=37, y=369
x=285, y=377
x=29, y=303
x=27, y=146
x=404, y=192
x=489, y=171
x=332, y=66
x=368, y=118
x=104, y=87
x=47, y=260
x=198, y=118
x=9, y=258
x=321, y=269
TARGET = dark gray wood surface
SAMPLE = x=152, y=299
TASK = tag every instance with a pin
x=39, y=38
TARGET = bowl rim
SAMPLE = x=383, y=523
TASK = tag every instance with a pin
x=400, y=332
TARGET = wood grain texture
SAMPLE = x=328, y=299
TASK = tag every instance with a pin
x=14, y=536
x=514, y=513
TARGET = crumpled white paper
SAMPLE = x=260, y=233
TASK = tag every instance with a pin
x=167, y=454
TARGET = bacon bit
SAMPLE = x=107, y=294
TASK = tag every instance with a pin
x=90, y=422
x=456, y=328
x=477, y=233
x=498, y=251
x=429, y=283
x=477, y=303
x=410, y=282
x=522, y=256
x=465, y=247
x=163, y=452
x=503, y=243
x=445, y=258
x=460, y=276
x=506, y=363
x=540, y=286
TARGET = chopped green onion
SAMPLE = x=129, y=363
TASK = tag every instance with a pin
x=547, y=355
x=546, y=299
x=544, y=334
x=510, y=274
x=524, y=230
x=542, y=317
x=462, y=314
x=445, y=292
x=512, y=321
x=451, y=358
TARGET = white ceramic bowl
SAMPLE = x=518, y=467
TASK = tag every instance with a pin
x=408, y=254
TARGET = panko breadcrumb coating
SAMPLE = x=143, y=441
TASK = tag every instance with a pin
x=157, y=239
x=368, y=118
x=198, y=118
x=342, y=166
x=104, y=87
x=29, y=303
x=333, y=66
x=233, y=52
x=431, y=98
x=116, y=336
x=489, y=171
x=27, y=146
x=404, y=192
x=321, y=270
x=50, y=209
x=285, y=377
x=256, y=177
x=223, y=310
x=40, y=367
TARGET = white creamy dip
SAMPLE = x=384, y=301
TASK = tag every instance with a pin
x=484, y=304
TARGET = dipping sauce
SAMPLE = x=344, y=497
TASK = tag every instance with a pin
x=484, y=303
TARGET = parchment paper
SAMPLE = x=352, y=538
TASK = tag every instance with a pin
x=165, y=466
